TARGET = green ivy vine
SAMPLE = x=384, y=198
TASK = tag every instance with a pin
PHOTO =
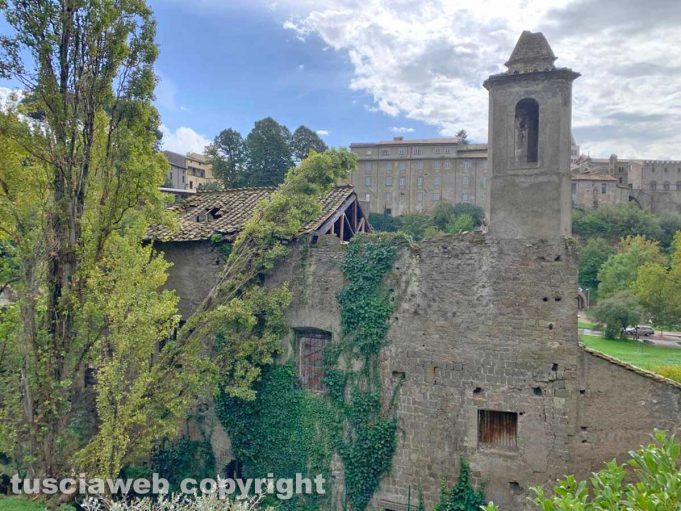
x=367, y=434
x=287, y=430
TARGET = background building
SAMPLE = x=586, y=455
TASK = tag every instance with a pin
x=188, y=172
x=411, y=176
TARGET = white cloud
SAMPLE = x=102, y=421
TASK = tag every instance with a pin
x=323, y=133
x=183, y=140
x=402, y=129
x=426, y=60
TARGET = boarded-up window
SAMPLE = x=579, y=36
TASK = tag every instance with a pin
x=497, y=429
x=311, y=344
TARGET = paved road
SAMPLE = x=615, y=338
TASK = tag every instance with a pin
x=669, y=340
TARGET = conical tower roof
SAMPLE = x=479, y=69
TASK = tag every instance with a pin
x=531, y=53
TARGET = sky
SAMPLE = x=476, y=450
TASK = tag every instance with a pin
x=369, y=70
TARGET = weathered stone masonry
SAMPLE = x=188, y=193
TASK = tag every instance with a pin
x=484, y=324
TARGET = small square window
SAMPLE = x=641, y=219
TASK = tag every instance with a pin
x=367, y=181
x=497, y=429
x=419, y=165
x=448, y=164
x=437, y=196
x=466, y=180
x=403, y=182
x=403, y=166
x=388, y=181
x=402, y=151
x=437, y=181
x=436, y=165
x=419, y=196
x=419, y=182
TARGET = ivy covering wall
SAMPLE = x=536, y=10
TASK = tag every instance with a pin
x=287, y=430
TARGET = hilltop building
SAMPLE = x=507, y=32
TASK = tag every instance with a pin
x=188, y=172
x=401, y=177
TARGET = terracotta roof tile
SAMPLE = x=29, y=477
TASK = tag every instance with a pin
x=226, y=212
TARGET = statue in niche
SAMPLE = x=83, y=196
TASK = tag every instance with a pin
x=521, y=130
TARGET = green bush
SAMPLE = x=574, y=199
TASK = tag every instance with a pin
x=462, y=496
x=178, y=460
x=617, y=312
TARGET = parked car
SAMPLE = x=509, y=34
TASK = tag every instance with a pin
x=643, y=330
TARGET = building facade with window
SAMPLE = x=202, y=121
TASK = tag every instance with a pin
x=401, y=177
x=188, y=172
x=590, y=191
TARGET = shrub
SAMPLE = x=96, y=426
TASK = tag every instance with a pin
x=209, y=502
x=671, y=372
x=617, y=312
x=653, y=470
x=462, y=496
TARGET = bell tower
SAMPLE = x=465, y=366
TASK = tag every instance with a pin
x=530, y=133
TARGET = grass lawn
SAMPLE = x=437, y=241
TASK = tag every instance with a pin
x=19, y=504
x=634, y=353
x=586, y=324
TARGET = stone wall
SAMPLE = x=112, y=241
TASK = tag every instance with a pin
x=481, y=324
x=196, y=265
x=484, y=324
x=661, y=202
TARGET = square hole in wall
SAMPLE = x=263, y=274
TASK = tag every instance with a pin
x=497, y=429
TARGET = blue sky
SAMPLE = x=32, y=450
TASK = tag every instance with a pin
x=367, y=70
x=228, y=67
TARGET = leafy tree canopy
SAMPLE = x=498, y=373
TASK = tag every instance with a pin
x=305, y=140
x=78, y=186
x=620, y=271
x=229, y=158
x=594, y=254
x=615, y=222
x=616, y=312
x=658, y=287
x=269, y=153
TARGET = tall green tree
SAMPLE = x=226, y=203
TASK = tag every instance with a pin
x=618, y=311
x=305, y=140
x=658, y=287
x=269, y=151
x=620, y=271
x=462, y=135
x=594, y=254
x=229, y=158
x=77, y=189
